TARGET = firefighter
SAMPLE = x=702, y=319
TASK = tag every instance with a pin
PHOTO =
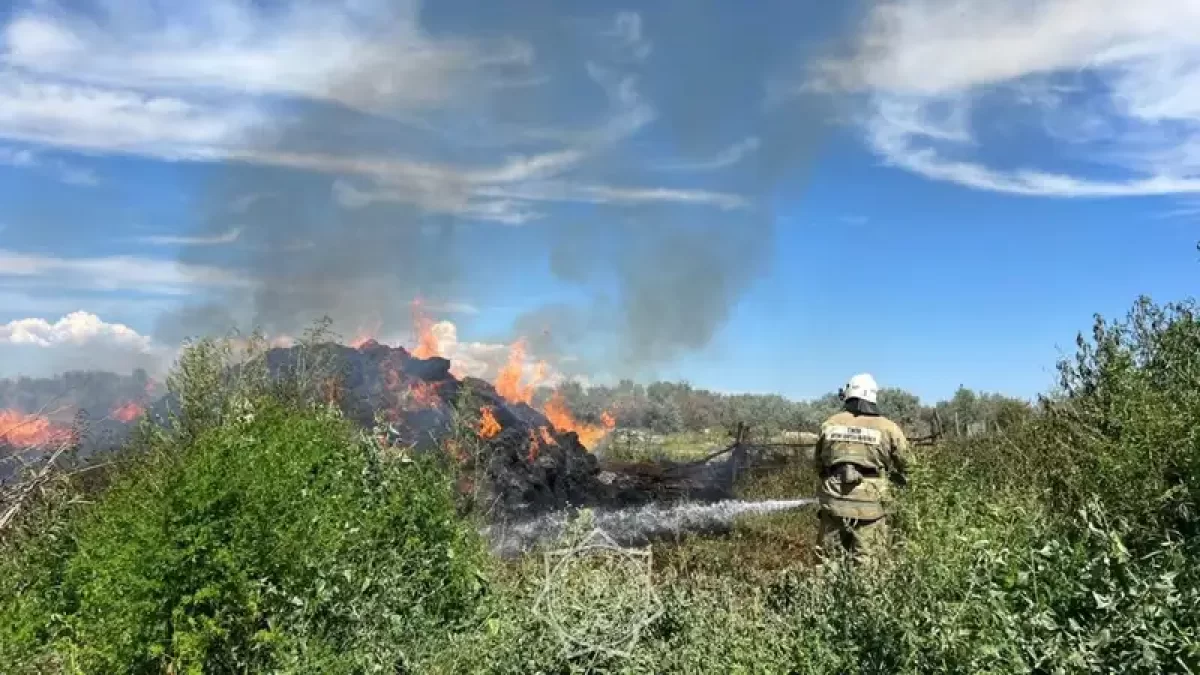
x=860, y=454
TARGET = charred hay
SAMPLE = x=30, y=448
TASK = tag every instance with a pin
x=527, y=468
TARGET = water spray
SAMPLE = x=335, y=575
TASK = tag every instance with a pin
x=635, y=525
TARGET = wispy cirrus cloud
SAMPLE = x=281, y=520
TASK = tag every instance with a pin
x=509, y=204
x=135, y=80
x=562, y=191
x=228, y=237
x=628, y=35
x=727, y=157
x=374, y=55
x=131, y=273
x=359, y=143
x=1074, y=72
x=102, y=119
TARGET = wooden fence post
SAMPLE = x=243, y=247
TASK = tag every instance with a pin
x=738, y=456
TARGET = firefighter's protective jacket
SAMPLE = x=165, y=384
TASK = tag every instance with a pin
x=857, y=457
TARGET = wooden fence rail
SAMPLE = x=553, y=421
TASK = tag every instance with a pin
x=749, y=456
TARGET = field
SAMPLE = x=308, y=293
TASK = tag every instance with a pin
x=269, y=535
x=679, y=446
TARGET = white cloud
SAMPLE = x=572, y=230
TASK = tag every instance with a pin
x=90, y=118
x=184, y=87
x=629, y=112
x=929, y=69
x=564, y=191
x=937, y=47
x=19, y=158
x=147, y=275
x=76, y=328
x=36, y=346
x=934, y=120
x=25, y=158
x=509, y=205
x=189, y=86
x=372, y=55
x=432, y=197
x=228, y=237
x=727, y=157
x=29, y=297
x=82, y=339
x=627, y=34
x=484, y=360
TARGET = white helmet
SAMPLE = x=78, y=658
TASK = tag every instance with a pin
x=861, y=386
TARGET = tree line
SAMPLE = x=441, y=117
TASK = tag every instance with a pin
x=661, y=407
x=672, y=407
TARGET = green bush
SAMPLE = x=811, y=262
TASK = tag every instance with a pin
x=272, y=540
x=1127, y=429
x=1066, y=543
x=276, y=540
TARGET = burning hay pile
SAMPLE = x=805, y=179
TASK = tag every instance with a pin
x=516, y=460
x=73, y=432
x=527, y=460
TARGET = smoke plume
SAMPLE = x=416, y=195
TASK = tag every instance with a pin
x=472, y=153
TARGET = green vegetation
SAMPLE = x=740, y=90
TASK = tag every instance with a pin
x=255, y=536
x=677, y=408
x=636, y=445
x=273, y=537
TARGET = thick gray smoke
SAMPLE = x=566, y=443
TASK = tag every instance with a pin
x=632, y=156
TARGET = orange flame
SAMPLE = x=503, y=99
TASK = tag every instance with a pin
x=427, y=344
x=560, y=416
x=488, y=426
x=393, y=384
x=127, y=412
x=424, y=394
x=28, y=431
x=546, y=437
x=508, y=381
x=607, y=419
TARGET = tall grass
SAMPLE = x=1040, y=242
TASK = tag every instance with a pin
x=272, y=537
x=1066, y=545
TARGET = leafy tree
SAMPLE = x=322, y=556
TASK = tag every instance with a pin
x=902, y=407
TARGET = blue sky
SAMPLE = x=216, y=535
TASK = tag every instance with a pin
x=753, y=197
